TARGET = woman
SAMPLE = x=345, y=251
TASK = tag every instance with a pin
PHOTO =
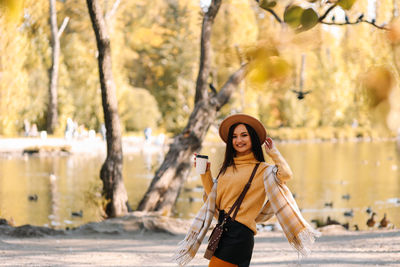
x=244, y=137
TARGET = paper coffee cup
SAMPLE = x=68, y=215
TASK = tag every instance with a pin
x=201, y=164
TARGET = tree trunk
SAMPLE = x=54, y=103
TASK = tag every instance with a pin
x=111, y=171
x=169, y=178
x=205, y=51
x=52, y=110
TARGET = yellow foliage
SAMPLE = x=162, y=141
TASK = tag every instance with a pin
x=235, y=24
x=156, y=48
x=262, y=51
x=235, y=28
x=266, y=65
x=137, y=108
x=13, y=79
x=271, y=68
x=394, y=32
x=378, y=82
x=149, y=36
x=12, y=9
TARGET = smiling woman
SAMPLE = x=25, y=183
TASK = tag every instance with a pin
x=244, y=198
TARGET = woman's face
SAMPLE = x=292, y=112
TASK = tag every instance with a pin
x=241, y=140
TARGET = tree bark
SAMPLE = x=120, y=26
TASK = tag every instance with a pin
x=169, y=178
x=205, y=51
x=111, y=172
x=52, y=109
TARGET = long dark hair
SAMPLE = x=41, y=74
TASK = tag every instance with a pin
x=230, y=152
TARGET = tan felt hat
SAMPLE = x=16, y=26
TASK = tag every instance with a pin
x=242, y=118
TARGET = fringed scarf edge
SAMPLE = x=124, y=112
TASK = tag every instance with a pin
x=304, y=240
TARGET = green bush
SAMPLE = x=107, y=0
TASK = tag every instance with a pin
x=138, y=109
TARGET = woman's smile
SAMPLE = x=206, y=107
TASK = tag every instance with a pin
x=241, y=140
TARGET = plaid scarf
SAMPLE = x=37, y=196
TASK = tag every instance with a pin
x=280, y=203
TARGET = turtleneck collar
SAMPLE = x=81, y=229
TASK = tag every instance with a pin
x=246, y=159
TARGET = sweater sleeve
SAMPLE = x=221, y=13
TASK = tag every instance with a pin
x=284, y=172
x=207, y=181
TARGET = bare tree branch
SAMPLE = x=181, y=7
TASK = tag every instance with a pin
x=233, y=82
x=326, y=13
x=323, y=16
x=113, y=10
x=274, y=14
x=355, y=22
x=63, y=26
x=347, y=22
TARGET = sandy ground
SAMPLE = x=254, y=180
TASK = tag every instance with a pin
x=125, y=242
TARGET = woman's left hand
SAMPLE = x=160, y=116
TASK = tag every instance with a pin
x=269, y=144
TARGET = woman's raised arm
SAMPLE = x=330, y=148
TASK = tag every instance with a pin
x=284, y=172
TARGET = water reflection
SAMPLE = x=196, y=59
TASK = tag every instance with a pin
x=330, y=179
x=63, y=185
x=340, y=180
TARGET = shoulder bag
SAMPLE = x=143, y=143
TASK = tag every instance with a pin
x=217, y=232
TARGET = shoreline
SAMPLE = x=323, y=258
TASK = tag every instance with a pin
x=60, y=146
x=11, y=147
x=150, y=240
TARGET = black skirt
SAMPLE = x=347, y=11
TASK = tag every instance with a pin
x=236, y=244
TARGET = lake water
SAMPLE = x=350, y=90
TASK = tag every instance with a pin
x=350, y=176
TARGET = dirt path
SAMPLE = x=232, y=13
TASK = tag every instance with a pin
x=338, y=248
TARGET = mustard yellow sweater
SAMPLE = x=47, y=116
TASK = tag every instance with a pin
x=232, y=182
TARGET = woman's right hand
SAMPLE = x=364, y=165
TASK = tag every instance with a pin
x=208, y=163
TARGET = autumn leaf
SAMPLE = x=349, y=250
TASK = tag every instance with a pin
x=260, y=52
x=266, y=65
x=292, y=16
x=266, y=4
x=346, y=4
x=378, y=82
x=301, y=19
x=308, y=19
x=394, y=32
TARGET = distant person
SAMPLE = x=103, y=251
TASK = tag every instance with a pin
x=27, y=127
x=244, y=163
x=82, y=131
x=43, y=135
x=103, y=131
x=92, y=134
x=147, y=134
x=33, y=132
x=75, y=132
x=354, y=124
x=69, y=129
x=398, y=139
x=160, y=139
